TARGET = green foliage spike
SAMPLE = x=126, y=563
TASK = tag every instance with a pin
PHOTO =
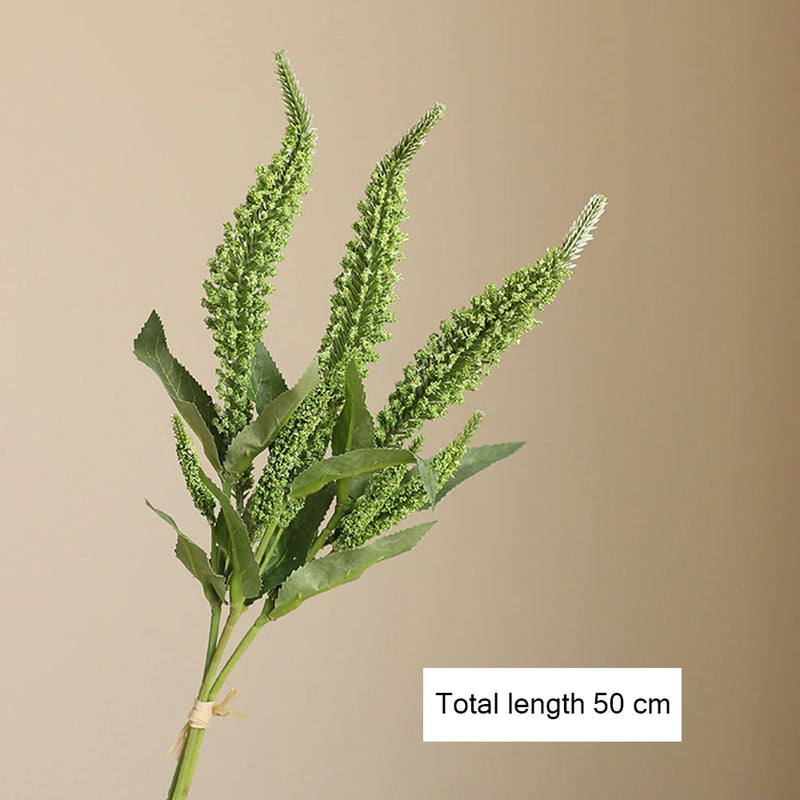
x=360, y=307
x=580, y=232
x=398, y=492
x=251, y=249
x=334, y=478
x=477, y=459
x=294, y=101
x=189, y=462
x=300, y=443
x=413, y=495
x=471, y=342
x=258, y=435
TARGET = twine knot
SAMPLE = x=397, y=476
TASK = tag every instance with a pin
x=201, y=714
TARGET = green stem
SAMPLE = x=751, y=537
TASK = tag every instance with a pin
x=186, y=766
x=191, y=747
x=233, y=617
x=267, y=540
x=213, y=635
x=326, y=532
x=261, y=620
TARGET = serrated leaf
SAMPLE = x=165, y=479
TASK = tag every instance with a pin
x=245, y=569
x=430, y=480
x=341, y=567
x=190, y=398
x=195, y=559
x=346, y=465
x=355, y=428
x=254, y=438
x=295, y=542
x=266, y=381
x=477, y=459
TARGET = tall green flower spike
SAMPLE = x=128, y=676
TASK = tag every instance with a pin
x=398, y=492
x=359, y=311
x=472, y=341
x=365, y=286
x=189, y=463
x=335, y=479
x=302, y=441
x=251, y=249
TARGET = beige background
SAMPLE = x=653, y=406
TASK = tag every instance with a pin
x=651, y=520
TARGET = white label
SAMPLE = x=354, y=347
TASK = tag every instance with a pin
x=551, y=705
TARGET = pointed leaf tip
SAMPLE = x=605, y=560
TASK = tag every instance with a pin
x=266, y=380
x=430, y=480
x=355, y=428
x=477, y=459
x=195, y=559
x=190, y=398
x=255, y=437
x=343, y=566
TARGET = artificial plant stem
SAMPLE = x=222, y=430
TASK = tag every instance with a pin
x=194, y=737
x=186, y=767
x=213, y=635
x=261, y=620
x=214, y=662
x=268, y=539
x=326, y=532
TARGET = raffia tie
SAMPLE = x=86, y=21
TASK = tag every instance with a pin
x=200, y=717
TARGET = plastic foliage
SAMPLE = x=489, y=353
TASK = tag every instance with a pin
x=302, y=486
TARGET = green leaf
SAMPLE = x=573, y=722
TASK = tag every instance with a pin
x=477, y=459
x=245, y=569
x=356, y=462
x=295, y=542
x=194, y=558
x=340, y=567
x=355, y=428
x=430, y=480
x=266, y=381
x=191, y=400
x=256, y=437
x=220, y=545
